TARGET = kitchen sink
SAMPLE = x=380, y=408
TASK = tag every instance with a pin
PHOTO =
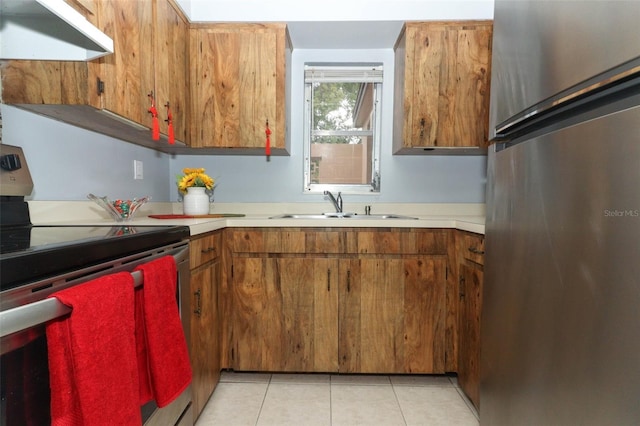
x=341, y=216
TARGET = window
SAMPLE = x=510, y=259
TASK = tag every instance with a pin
x=342, y=136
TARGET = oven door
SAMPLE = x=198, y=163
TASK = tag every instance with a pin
x=25, y=394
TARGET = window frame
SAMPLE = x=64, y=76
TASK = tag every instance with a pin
x=338, y=73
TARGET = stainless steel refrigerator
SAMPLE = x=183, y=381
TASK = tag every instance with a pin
x=560, y=327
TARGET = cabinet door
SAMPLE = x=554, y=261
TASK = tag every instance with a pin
x=392, y=315
x=237, y=85
x=52, y=82
x=285, y=314
x=446, y=84
x=45, y=82
x=171, y=72
x=469, y=347
x=205, y=349
x=425, y=82
x=470, y=87
x=128, y=72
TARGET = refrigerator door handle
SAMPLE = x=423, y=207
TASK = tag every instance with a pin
x=617, y=84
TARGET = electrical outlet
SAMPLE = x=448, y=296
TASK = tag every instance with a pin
x=137, y=170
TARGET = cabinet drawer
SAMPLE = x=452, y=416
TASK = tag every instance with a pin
x=287, y=240
x=470, y=247
x=204, y=249
x=398, y=241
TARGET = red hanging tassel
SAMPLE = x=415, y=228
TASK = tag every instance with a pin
x=169, y=120
x=267, y=148
x=172, y=136
x=155, y=129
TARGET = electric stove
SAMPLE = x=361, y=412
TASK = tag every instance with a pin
x=29, y=252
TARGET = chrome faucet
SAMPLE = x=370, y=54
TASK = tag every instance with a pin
x=337, y=202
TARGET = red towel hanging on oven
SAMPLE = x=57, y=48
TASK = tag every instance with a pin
x=92, y=355
x=169, y=370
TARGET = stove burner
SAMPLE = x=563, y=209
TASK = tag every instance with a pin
x=30, y=253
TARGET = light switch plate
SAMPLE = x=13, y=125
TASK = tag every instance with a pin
x=137, y=170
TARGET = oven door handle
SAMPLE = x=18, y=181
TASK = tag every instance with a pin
x=32, y=314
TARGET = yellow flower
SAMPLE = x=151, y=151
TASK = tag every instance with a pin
x=194, y=177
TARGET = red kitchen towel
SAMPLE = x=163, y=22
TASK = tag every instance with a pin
x=145, y=391
x=92, y=355
x=167, y=355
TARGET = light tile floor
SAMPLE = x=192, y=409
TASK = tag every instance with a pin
x=243, y=399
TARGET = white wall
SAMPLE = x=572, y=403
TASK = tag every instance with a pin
x=335, y=10
x=67, y=163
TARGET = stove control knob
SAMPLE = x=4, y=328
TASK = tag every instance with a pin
x=10, y=162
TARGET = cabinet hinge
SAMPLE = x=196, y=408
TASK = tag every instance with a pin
x=100, y=86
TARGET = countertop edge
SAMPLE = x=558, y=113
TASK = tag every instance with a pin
x=464, y=217
x=202, y=226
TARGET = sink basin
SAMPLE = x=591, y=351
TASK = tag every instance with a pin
x=341, y=216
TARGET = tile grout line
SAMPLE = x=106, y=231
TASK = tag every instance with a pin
x=330, y=401
x=464, y=397
x=393, y=387
x=468, y=403
x=264, y=398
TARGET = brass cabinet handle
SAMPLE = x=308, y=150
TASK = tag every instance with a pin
x=348, y=281
x=198, y=310
x=328, y=279
x=208, y=250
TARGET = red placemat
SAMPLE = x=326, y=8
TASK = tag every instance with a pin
x=197, y=216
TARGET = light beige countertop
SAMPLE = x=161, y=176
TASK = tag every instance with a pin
x=463, y=216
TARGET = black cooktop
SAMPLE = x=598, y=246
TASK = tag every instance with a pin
x=29, y=253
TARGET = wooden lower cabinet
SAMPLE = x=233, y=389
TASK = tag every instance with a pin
x=205, y=319
x=392, y=315
x=330, y=314
x=469, y=331
x=470, y=252
x=286, y=314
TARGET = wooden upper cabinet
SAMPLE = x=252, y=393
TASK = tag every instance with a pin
x=44, y=82
x=442, y=86
x=150, y=42
x=51, y=82
x=150, y=56
x=127, y=74
x=238, y=78
x=171, y=68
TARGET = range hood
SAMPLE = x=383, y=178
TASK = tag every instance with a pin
x=49, y=30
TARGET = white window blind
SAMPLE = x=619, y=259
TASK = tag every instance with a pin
x=343, y=74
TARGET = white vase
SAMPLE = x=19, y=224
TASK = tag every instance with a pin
x=195, y=201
